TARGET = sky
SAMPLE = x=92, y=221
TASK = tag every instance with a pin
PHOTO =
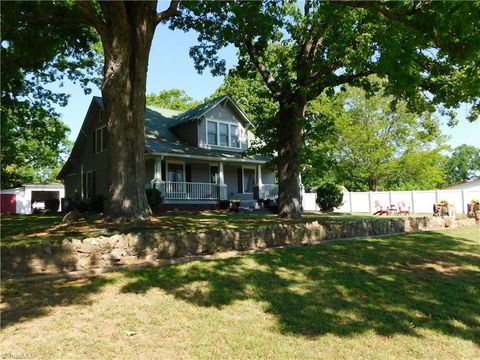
x=170, y=66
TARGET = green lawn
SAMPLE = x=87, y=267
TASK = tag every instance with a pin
x=21, y=229
x=409, y=296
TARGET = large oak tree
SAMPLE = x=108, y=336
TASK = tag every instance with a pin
x=429, y=51
x=126, y=30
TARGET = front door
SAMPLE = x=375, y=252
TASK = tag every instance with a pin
x=176, y=177
x=214, y=174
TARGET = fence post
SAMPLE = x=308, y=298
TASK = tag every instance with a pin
x=390, y=198
x=436, y=197
x=370, y=201
x=413, y=201
x=464, y=205
x=350, y=198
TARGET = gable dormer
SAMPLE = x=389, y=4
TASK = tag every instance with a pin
x=218, y=124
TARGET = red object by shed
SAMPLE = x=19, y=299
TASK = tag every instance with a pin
x=8, y=203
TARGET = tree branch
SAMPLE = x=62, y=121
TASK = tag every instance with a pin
x=170, y=12
x=403, y=18
x=325, y=69
x=54, y=20
x=348, y=78
x=262, y=69
x=91, y=17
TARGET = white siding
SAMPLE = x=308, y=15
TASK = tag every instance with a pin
x=268, y=176
x=231, y=180
x=200, y=172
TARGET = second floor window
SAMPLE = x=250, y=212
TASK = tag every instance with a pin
x=100, y=139
x=234, y=141
x=212, y=133
x=223, y=134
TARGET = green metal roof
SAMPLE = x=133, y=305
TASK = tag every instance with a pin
x=159, y=138
x=198, y=111
x=160, y=146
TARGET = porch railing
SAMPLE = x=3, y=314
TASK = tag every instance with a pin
x=268, y=191
x=187, y=190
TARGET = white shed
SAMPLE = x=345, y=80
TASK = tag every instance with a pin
x=20, y=200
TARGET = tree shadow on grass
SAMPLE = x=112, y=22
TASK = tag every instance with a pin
x=25, y=301
x=394, y=285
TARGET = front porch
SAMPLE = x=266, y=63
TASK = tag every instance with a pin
x=183, y=181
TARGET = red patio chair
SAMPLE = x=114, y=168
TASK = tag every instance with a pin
x=380, y=209
x=403, y=209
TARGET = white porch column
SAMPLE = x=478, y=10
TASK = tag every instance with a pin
x=259, y=175
x=258, y=192
x=158, y=170
x=222, y=188
x=221, y=177
x=157, y=181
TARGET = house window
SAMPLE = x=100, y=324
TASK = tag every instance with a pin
x=223, y=134
x=212, y=133
x=100, y=139
x=88, y=184
x=248, y=180
x=175, y=172
x=234, y=142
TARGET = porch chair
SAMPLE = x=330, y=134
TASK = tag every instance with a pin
x=403, y=209
x=380, y=209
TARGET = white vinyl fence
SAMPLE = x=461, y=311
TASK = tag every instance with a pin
x=418, y=201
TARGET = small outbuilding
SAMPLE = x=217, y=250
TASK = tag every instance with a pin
x=24, y=199
x=473, y=185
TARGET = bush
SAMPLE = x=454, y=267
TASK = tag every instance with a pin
x=82, y=206
x=329, y=196
x=52, y=205
x=154, y=198
x=98, y=203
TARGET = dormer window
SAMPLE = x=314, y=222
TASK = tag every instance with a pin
x=223, y=134
x=212, y=133
x=234, y=138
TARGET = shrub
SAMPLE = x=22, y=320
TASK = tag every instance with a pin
x=98, y=203
x=82, y=206
x=155, y=199
x=52, y=205
x=329, y=196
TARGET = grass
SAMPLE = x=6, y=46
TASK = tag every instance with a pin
x=409, y=296
x=23, y=229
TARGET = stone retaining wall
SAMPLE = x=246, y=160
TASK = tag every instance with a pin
x=154, y=244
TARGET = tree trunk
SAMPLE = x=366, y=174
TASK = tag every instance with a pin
x=290, y=136
x=370, y=183
x=126, y=47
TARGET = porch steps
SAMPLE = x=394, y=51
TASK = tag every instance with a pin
x=248, y=205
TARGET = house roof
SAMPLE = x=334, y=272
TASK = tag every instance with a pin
x=160, y=146
x=160, y=139
x=200, y=111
